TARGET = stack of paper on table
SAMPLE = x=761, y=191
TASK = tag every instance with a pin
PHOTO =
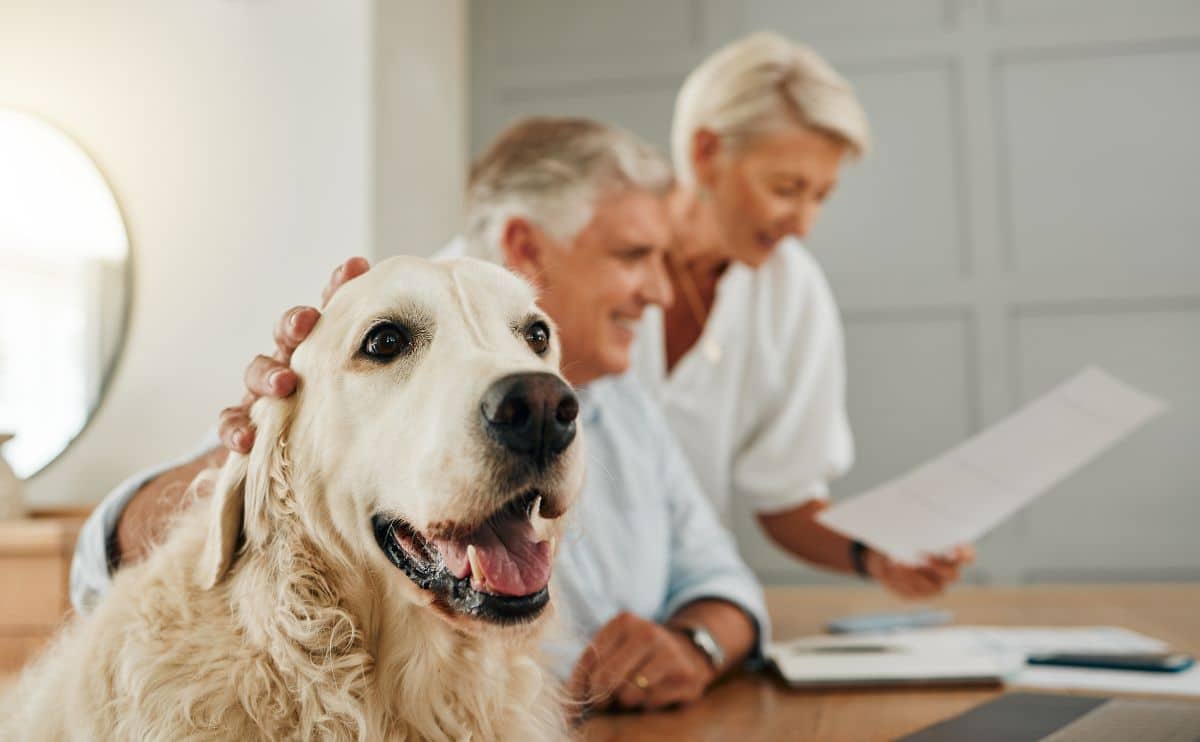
x=905, y=657
x=974, y=654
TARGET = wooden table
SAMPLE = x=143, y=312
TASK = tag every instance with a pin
x=753, y=707
x=35, y=563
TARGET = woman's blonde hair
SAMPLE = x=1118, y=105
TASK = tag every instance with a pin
x=762, y=83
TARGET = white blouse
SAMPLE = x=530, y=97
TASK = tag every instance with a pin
x=758, y=403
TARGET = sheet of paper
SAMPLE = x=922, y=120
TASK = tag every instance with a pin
x=1186, y=683
x=972, y=488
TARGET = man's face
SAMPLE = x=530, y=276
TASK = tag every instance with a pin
x=596, y=287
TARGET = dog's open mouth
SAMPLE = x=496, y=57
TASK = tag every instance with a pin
x=497, y=571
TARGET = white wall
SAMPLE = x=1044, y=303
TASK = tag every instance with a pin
x=236, y=135
x=1029, y=210
x=420, y=123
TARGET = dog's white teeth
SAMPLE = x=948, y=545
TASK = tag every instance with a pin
x=553, y=543
x=541, y=526
x=477, y=574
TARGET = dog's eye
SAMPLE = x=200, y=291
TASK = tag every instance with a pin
x=538, y=337
x=386, y=341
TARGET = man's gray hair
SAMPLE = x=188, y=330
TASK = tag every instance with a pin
x=552, y=171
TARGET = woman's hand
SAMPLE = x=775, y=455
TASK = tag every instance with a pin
x=921, y=581
x=272, y=376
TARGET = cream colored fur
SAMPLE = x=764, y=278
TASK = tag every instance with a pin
x=269, y=612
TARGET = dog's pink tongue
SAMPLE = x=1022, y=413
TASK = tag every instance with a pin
x=511, y=558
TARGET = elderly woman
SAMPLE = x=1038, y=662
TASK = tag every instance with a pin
x=748, y=361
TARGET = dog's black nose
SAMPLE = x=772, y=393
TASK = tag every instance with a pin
x=532, y=414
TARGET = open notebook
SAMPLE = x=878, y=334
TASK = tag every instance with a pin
x=949, y=655
x=882, y=663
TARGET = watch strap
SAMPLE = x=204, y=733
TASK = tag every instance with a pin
x=858, y=557
x=705, y=642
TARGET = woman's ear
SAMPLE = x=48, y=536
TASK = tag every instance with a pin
x=706, y=147
x=240, y=505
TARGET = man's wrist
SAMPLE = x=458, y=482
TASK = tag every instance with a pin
x=703, y=643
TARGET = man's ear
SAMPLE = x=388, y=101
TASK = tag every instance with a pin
x=241, y=499
x=524, y=248
x=706, y=146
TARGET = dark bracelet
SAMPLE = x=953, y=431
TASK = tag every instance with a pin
x=858, y=557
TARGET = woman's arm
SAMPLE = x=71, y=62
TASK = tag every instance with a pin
x=798, y=532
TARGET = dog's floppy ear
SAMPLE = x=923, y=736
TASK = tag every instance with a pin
x=243, y=488
x=224, y=522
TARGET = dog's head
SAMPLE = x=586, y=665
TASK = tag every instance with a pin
x=432, y=440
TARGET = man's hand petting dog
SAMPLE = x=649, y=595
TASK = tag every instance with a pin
x=272, y=376
x=633, y=663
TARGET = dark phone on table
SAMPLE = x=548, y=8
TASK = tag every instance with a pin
x=1140, y=661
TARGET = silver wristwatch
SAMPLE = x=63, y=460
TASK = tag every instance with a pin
x=704, y=641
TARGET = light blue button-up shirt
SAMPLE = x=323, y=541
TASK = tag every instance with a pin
x=642, y=538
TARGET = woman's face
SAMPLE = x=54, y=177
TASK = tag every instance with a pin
x=771, y=188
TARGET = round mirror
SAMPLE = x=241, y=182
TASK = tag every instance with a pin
x=65, y=282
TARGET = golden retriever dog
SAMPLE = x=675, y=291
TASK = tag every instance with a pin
x=376, y=568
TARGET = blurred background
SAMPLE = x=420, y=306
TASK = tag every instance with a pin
x=1030, y=209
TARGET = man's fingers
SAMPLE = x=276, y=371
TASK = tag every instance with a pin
x=630, y=695
x=577, y=685
x=295, y=325
x=236, y=430
x=612, y=671
x=672, y=691
x=628, y=642
x=349, y=270
x=267, y=377
x=582, y=686
x=666, y=693
x=666, y=683
x=656, y=681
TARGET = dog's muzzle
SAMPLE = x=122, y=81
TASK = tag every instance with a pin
x=497, y=568
x=498, y=571
x=532, y=415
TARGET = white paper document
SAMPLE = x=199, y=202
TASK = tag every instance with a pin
x=972, y=488
x=973, y=654
x=1185, y=683
x=920, y=656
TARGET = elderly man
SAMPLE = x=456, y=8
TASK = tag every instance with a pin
x=657, y=600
